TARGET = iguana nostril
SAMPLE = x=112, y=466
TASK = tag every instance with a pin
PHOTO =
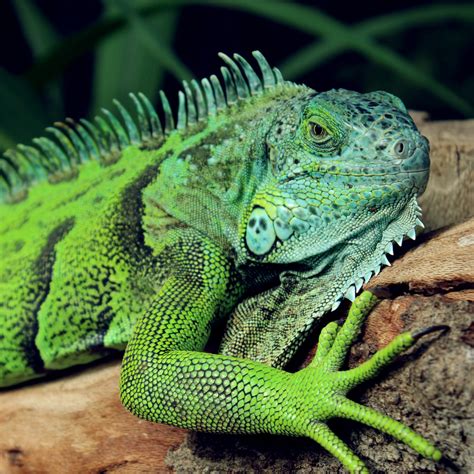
x=399, y=147
x=403, y=148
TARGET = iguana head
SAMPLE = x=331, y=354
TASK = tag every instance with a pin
x=344, y=170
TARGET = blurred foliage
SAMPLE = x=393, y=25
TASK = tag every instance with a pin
x=411, y=52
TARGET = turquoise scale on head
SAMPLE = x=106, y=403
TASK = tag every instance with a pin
x=260, y=235
x=282, y=229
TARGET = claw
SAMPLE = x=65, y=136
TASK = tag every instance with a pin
x=423, y=332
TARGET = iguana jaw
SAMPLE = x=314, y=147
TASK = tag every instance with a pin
x=351, y=271
x=341, y=274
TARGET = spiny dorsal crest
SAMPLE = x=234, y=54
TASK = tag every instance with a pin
x=57, y=158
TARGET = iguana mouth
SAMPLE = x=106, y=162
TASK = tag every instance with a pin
x=327, y=171
x=395, y=173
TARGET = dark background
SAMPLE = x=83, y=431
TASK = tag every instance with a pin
x=68, y=58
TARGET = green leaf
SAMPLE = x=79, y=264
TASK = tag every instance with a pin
x=42, y=38
x=148, y=40
x=386, y=25
x=64, y=53
x=5, y=142
x=38, y=31
x=21, y=113
x=316, y=53
x=308, y=58
x=123, y=65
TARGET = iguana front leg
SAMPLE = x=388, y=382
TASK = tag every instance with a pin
x=166, y=379
x=327, y=387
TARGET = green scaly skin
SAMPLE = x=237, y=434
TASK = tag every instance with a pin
x=265, y=206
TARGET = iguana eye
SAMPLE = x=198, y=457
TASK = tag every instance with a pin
x=318, y=132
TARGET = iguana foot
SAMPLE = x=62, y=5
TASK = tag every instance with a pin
x=329, y=400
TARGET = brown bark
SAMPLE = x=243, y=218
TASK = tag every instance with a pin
x=449, y=198
x=75, y=424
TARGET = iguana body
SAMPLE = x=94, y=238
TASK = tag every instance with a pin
x=116, y=233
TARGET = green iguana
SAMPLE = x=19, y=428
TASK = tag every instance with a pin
x=266, y=204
